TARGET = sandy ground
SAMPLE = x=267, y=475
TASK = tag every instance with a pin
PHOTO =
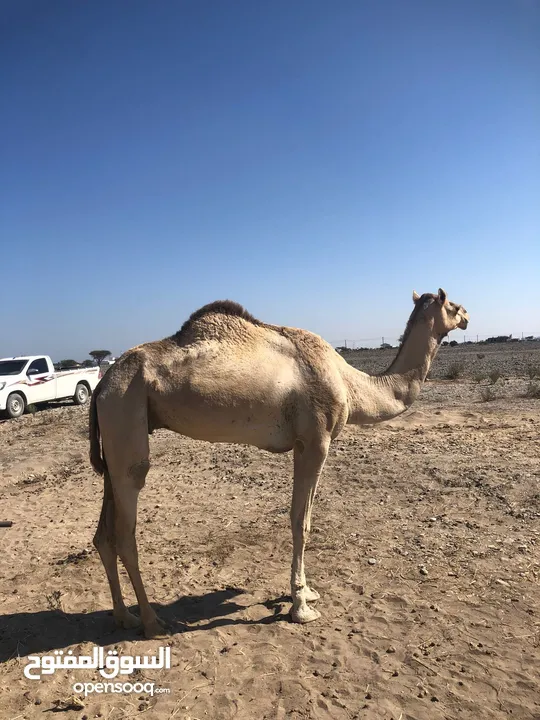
x=425, y=549
x=511, y=359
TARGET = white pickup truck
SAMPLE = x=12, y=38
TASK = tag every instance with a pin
x=32, y=380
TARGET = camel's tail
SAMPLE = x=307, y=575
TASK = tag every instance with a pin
x=96, y=456
x=104, y=537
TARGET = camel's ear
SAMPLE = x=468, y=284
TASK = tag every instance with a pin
x=442, y=296
x=415, y=296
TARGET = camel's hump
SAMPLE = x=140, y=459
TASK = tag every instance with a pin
x=223, y=307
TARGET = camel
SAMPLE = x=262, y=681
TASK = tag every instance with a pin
x=228, y=377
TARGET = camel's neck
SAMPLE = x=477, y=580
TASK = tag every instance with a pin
x=416, y=353
x=374, y=398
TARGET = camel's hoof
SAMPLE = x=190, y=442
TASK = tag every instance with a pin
x=155, y=629
x=312, y=595
x=305, y=614
x=127, y=620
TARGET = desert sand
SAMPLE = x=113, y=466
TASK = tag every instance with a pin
x=425, y=548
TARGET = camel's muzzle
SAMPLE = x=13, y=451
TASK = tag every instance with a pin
x=463, y=322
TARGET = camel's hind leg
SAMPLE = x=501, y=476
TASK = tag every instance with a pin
x=309, y=461
x=124, y=433
x=104, y=541
x=126, y=489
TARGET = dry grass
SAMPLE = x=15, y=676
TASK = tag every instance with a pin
x=494, y=375
x=455, y=370
x=54, y=600
x=488, y=394
x=533, y=390
x=533, y=371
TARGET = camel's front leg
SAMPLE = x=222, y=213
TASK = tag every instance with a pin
x=309, y=460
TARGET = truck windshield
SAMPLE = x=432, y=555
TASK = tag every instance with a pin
x=11, y=367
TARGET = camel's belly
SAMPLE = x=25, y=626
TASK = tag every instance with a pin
x=245, y=423
x=220, y=397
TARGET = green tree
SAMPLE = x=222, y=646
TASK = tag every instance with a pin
x=99, y=355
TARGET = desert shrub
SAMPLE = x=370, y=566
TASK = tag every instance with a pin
x=479, y=377
x=455, y=370
x=533, y=390
x=494, y=375
x=487, y=394
x=533, y=371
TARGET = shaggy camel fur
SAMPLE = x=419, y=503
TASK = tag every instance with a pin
x=227, y=377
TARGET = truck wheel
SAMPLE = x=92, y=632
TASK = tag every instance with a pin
x=15, y=405
x=81, y=394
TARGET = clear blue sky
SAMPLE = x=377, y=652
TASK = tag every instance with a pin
x=313, y=160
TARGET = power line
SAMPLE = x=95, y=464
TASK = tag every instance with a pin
x=465, y=338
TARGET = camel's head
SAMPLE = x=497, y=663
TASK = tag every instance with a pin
x=445, y=314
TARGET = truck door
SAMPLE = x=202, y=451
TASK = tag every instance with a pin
x=40, y=381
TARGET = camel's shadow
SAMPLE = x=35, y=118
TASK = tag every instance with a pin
x=28, y=633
